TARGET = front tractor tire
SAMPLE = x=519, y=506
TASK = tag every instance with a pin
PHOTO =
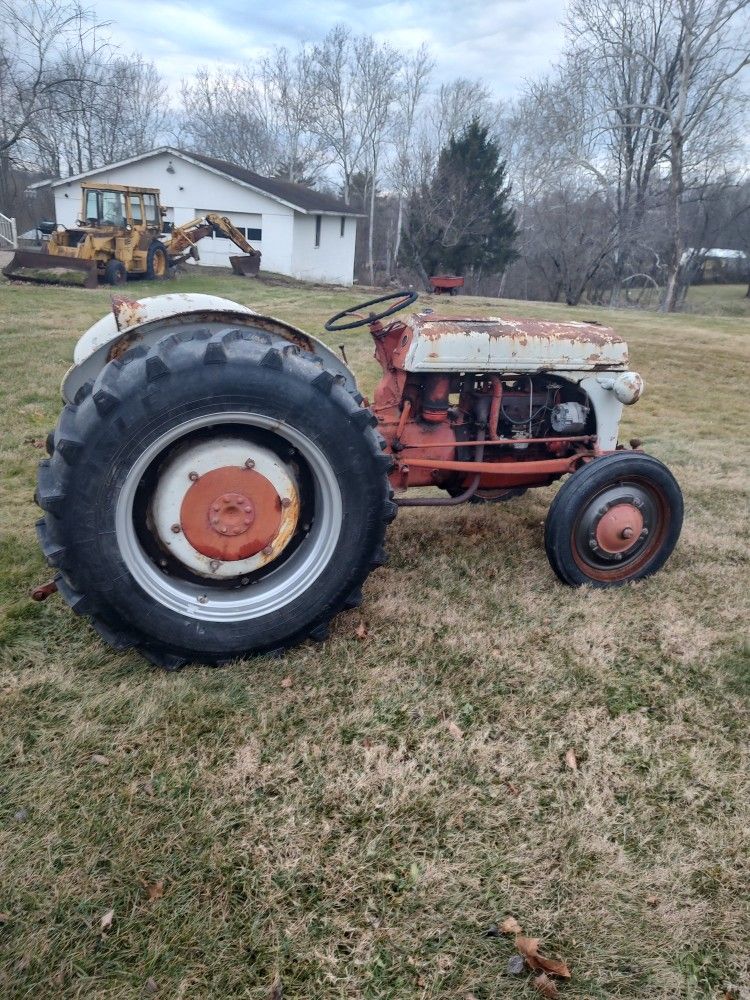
x=617, y=519
x=115, y=273
x=217, y=495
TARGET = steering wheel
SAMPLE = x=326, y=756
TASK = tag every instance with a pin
x=404, y=299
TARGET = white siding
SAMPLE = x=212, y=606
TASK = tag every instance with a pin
x=333, y=261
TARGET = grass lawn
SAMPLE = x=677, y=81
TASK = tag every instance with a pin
x=723, y=300
x=353, y=831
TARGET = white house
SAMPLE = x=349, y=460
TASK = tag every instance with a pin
x=300, y=232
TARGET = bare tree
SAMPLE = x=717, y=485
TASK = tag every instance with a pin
x=670, y=66
x=222, y=116
x=116, y=108
x=34, y=39
x=289, y=99
x=416, y=70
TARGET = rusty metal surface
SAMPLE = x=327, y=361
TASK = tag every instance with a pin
x=447, y=343
x=231, y=513
x=247, y=266
x=547, y=466
x=44, y=591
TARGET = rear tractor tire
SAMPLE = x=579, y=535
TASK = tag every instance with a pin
x=214, y=496
x=157, y=262
x=617, y=519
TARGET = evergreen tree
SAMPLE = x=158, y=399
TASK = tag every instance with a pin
x=460, y=220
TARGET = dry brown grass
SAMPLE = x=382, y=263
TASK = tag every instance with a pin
x=337, y=834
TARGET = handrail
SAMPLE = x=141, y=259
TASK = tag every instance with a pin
x=8, y=232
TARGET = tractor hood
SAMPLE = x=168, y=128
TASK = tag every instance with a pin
x=450, y=344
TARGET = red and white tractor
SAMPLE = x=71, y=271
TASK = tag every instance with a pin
x=218, y=486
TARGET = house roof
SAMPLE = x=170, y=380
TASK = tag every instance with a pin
x=297, y=196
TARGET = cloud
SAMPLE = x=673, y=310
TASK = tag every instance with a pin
x=501, y=43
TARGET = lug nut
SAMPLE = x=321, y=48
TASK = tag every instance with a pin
x=268, y=550
x=214, y=565
x=627, y=532
x=249, y=463
x=176, y=529
x=193, y=476
x=203, y=599
x=644, y=532
x=286, y=502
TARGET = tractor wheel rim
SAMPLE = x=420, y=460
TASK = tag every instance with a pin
x=620, y=530
x=225, y=507
x=228, y=594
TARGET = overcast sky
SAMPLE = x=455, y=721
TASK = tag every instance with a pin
x=500, y=42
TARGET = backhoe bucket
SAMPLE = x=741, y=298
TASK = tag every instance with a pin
x=51, y=269
x=246, y=265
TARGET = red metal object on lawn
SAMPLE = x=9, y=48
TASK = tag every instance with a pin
x=446, y=284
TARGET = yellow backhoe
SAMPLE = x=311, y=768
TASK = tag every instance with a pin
x=119, y=234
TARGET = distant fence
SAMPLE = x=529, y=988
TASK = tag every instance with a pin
x=8, y=233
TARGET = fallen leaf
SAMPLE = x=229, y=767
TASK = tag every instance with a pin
x=492, y=931
x=513, y=789
x=529, y=948
x=444, y=962
x=4, y=918
x=151, y=985
x=652, y=900
x=287, y=682
x=544, y=985
x=361, y=631
x=98, y=758
x=456, y=732
x=571, y=760
x=106, y=922
x=148, y=788
x=155, y=890
x=510, y=926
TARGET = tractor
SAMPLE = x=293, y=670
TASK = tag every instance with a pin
x=119, y=235
x=218, y=486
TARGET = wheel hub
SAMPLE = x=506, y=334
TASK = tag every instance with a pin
x=225, y=507
x=619, y=528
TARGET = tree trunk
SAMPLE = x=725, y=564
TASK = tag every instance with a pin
x=371, y=233
x=399, y=221
x=674, y=229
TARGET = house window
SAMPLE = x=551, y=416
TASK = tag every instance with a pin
x=255, y=234
x=343, y=225
x=318, y=223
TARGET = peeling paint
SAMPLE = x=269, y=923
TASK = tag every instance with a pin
x=495, y=344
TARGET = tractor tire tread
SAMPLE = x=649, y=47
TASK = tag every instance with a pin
x=128, y=380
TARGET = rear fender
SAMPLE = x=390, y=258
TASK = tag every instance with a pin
x=146, y=321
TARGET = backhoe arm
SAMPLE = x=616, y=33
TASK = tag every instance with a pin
x=185, y=237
